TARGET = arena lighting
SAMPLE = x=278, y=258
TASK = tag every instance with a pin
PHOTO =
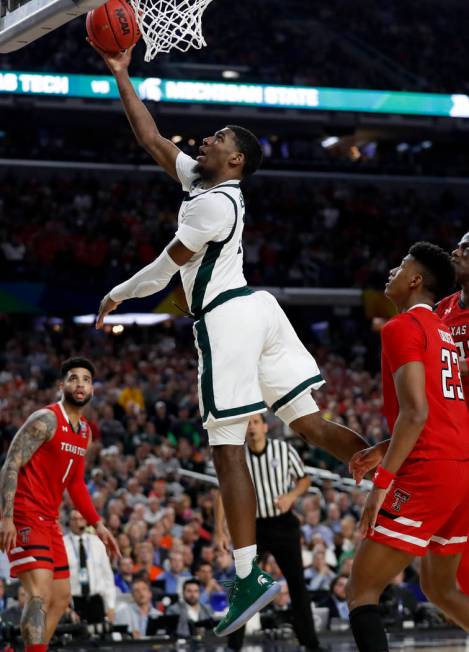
x=329, y=142
x=176, y=139
x=230, y=74
x=126, y=319
x=229, y=93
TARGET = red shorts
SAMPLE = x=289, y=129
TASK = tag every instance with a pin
x=39, y=544
x=427, y=508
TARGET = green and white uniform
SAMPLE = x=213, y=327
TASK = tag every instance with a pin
x=249, y=354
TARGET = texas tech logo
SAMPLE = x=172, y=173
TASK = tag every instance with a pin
x=24, y=535
x=400, y=498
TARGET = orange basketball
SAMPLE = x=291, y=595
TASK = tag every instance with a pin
x=112, y=27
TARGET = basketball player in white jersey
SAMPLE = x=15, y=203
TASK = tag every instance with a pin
x=249, y=354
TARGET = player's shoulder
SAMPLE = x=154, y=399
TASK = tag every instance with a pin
x=447, y=303
x=41, y=423
x=215, y=201
x=401, y=327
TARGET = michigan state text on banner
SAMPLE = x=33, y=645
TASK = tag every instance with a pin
x=253, y=95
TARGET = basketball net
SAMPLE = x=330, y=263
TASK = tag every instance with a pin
x=169, y=24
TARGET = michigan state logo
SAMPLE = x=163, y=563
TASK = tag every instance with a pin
x=400, y=498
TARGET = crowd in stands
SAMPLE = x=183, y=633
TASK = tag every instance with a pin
x=307, y=42
x=147, y=432
x=90, y=232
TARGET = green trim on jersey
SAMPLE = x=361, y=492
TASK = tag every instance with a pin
x=206, y=382
x=205, y=271
x=293, y=393
x=187, y=195
x=223, y=297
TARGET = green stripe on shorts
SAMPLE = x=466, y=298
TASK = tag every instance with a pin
x=206, y=381
x=295, y=392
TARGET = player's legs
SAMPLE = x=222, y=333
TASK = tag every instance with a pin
x=338, y=440
x=252, y=589
x=38, y=586
x=237, y=490
x=59, y=601
x=438, y=582
x=374, y=566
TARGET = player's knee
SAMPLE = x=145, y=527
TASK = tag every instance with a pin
x=311, y=427
x=60, y=601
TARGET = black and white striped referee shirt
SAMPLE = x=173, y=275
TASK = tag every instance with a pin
x=273, y=471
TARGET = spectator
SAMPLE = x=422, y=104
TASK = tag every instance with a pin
x=319, y=574
x=124, y=576
x=336, y=600
x=190, y=608
x=153, y=510
x=313, y=526
x=144, y=562
x=174, y=577
x=12, y=615
x=137, y=614
x=90, y=569
x=207, y=583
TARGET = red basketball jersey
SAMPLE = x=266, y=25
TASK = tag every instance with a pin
x=420, y=335
x=43, y=480
x=452, y=311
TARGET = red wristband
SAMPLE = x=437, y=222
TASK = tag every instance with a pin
x=383, y=478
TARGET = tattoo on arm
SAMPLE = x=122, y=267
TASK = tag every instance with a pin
x=38, y=429
x=33, y=622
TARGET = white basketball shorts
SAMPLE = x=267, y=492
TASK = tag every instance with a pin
x=249, y=358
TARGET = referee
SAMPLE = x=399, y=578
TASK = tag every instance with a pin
x=275, y=466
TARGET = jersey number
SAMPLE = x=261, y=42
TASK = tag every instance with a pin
x=450, y=376
x=68, y=470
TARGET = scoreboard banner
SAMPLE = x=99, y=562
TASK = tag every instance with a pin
x=237, y=94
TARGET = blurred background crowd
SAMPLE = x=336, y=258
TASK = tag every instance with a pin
x=299, y=233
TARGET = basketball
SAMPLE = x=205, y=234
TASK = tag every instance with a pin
x=112, y=27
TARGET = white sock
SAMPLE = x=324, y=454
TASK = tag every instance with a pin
x=243, y=560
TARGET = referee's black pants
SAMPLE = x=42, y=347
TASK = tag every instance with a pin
x=280, y=535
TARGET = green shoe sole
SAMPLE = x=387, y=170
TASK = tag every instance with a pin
x=256, y=606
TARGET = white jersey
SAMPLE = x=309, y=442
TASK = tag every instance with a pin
x=210, y=223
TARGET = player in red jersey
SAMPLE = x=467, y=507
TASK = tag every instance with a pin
x=46, y=457
x=419, y=505
x=454, y=311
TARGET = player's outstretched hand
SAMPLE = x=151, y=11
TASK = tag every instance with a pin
x=370, y=510
x=106, y=306
x=115, y=62
x=365, y=461
x=108, y=540
x=7, y=535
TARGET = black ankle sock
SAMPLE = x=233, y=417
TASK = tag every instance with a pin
x=368, y=630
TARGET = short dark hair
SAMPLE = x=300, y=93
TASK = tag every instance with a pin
x=248, y=145
x=73, y=363
x=191, y=580
x=438, y=272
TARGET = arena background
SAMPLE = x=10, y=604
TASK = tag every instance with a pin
x=351, y=178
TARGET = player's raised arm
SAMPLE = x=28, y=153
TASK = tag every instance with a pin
x=38, y=429
x=149, y=280
x=162, y=150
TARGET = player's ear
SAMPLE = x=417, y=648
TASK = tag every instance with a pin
x=416, y=280
x=237, y=159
